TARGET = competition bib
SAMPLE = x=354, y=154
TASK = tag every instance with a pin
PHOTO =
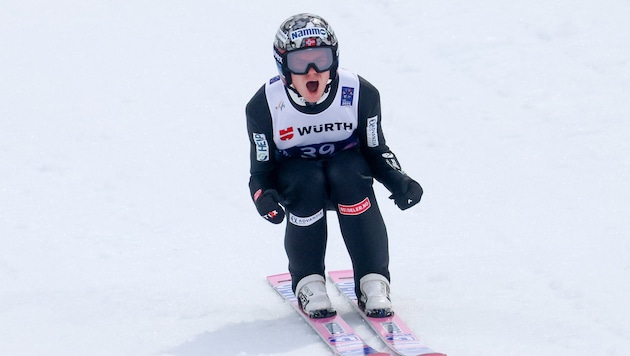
x=315, y=135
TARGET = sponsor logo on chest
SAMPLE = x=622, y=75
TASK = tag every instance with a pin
x=331, y=127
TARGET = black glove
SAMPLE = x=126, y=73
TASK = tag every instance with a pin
x=408, y=194
x=268, y=206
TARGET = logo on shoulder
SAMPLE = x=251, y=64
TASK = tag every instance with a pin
x=274, y=79
x=347, y=96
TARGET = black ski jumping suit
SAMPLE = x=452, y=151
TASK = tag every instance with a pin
x=324, y=156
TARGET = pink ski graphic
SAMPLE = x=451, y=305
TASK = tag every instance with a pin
x=392, y=330
x=337, y=334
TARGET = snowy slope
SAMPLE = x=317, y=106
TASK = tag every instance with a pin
x=124, y=165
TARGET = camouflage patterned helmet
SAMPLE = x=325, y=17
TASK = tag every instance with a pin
x=303, y=31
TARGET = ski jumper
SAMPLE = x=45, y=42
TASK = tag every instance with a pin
x=324, y=157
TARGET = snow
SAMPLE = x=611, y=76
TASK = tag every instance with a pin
x=125, y=218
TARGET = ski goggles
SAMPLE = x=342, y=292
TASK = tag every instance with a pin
x=319, y=58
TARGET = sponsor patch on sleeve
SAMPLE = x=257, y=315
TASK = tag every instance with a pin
x=262, y=148
x=372, y=131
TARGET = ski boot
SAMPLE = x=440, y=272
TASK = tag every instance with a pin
x=312, y=297
x=374, y=300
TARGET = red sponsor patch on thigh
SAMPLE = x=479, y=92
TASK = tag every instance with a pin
x=355, y=209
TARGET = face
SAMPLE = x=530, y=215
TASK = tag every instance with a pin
x=310, y=71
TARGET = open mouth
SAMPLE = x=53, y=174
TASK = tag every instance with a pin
x=312, y=86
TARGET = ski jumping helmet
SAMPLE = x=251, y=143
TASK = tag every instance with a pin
x=304, y=31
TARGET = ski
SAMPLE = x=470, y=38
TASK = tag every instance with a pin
x=392, y=330
x=335, y=331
